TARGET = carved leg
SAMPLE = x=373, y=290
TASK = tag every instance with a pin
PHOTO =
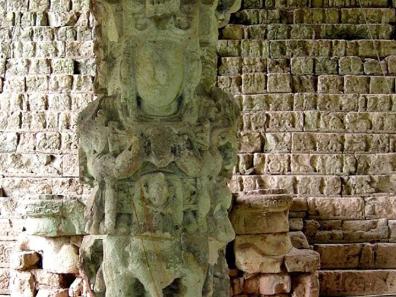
x=208, y=287
x=194, y=277
x=119, y=281
x=110, y=208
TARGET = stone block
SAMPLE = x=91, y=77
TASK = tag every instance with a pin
x=285, y=121
x=330, y=84
x=251, y=48
x=336, y=208
x=299, y=240
x=228, y=48
x=8, y=142
x=296, y=224
x=247, y=221
x=278, y=66
x=350, y=65
x=253, y=83
x=391, y=63
x=385, y=255
x=270, y=284
x=250, y=246
x=339, y=256
x=356, y=84
x=278, y=142
x=382, y=85
x=365, y=230
x=264, y=200
x=380, y=207
x=232, y=32
x=76, y=289
x=22, y=284
x=302, y=260
x=355, y=283
x=392, y=230
x=45, y=279
x=253, y=65
x=5, y=281
x=250, y=142
x=59, y=255
x=305, y=285
x=326, y=66
x=53, y=218
x=24, y=260
x=230, y=66
x=375, y=67
x=52, y=293
x=261, y=253
x=279, y=83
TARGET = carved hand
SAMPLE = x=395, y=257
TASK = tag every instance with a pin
x=129, y=160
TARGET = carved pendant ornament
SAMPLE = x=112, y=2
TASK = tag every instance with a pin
x=158, y=146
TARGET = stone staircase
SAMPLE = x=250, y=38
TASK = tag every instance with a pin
x=313, y=78
x=357, y=269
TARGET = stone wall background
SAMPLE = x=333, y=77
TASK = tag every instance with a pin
x=316, y=83
x=46, y=76
x=306, y=74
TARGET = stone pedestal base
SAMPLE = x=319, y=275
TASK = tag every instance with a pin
x=46, y=267
x=267, y=263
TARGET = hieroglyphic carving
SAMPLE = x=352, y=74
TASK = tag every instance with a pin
x=158, y=145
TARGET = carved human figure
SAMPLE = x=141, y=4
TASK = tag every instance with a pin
x=158, y=145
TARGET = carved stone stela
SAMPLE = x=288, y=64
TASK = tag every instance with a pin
x=159, y=146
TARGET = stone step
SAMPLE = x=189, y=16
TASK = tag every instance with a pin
x=357, y=255
x=315, y=4
x=386, y=295
x=337, y=283
x=254, y=30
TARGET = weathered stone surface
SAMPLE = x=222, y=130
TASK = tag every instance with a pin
x=67, y=52
x=6, y=248
x=268, y=284
x=333, y=256
x=22, y=284
x=332, y=208
x=76, y=289
x=260, y=199
x=24, y=260
x=305, y=285
x=363, y=255
x=261, y=252
x=302, y=260
x=299, y=240
x=52, y=293
x=159, y=146
x=392, y=227
x=59, y=255
x=258, y=221
x=381, y=207
x=355, y=283
x=51, y=218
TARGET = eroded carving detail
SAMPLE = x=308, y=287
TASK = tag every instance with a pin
x=158, y=145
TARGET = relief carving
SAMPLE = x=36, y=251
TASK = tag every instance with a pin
x=159, y=146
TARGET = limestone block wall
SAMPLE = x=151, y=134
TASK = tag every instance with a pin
x=46, y=77
x=316, y=83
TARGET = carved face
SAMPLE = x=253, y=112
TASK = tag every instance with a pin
x=165, y=33
x=159, y=76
